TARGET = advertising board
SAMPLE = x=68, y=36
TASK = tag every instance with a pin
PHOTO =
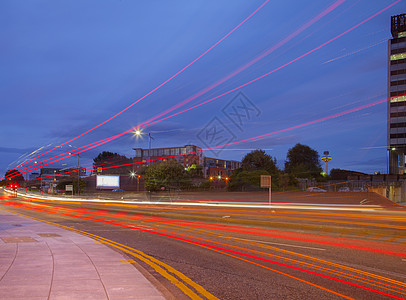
x=107, y=181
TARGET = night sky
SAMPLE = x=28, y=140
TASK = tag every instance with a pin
x=67, y=66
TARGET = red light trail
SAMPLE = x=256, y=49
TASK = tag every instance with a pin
x=95, y=144
x=87, y=215
x=279, y=68
x=255, y=60
x=159, y=86
x=240, y=141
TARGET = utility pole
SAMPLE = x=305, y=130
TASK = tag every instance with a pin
x=78, y=175
x=149, y=166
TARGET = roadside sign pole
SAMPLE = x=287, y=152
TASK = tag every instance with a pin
x=266, y=183
x=270, y=191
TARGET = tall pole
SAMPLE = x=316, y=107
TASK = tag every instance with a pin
x=149, y=166
x=40, y=174
x=78, y=174
x=387, y=171
x=326, y=158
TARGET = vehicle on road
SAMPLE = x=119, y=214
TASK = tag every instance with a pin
x=344, y=189
x=315, y=189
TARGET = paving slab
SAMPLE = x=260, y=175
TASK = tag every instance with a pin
x=39, y=261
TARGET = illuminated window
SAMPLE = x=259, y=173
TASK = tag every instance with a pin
x=398, y=56
x=398, y=99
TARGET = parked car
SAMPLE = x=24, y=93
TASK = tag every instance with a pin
x=358, y=189
x=344, y=189
x=315, y=189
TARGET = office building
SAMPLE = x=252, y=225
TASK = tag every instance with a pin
x=396, y=136
x=219, y=168
x=185, y=155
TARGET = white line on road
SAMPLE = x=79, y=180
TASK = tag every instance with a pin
x=272, y=243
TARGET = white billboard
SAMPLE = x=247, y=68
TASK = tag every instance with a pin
x=107, y=181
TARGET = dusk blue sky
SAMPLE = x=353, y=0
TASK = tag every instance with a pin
x=67, y=66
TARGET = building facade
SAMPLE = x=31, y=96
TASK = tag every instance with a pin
x=186, y=155
x=219, y=168
x=396, y=111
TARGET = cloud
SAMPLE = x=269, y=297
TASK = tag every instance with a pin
x=15, y=150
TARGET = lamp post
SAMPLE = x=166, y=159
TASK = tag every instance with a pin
x=78, y=172
x=139, y=133
x=40, y=176
x=78, y=175
x=149, y=165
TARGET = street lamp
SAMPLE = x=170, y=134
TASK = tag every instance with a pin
x=78, y=171
x=40, y=176
x=139, y=133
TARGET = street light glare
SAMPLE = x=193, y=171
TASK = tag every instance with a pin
x=137, y=132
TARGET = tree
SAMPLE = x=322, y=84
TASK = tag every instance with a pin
x=242, y=180
x=254, y=164
x=112, y=163
x=71, y=181
x=259, y=160
x=14, y=176
x=108, y=156
x=195, y=171
x=303, y=162
x=167, y=175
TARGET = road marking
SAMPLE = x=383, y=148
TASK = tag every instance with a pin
x=272, y=243
x=131, y=261
x=162, y=268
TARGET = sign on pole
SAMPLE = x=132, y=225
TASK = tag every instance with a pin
x=266, y=182
x=69, y=188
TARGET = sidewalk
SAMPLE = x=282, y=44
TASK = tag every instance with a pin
x=41, y=261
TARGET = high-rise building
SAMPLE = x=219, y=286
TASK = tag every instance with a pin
x=397, y=95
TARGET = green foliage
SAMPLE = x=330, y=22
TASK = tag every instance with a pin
x=14, y=176
x=167, y=175
x=108, y=156
x=73, y=181
x=195, y=171
x=254, y=164
x=113, y=163
x=303, y=162
x=287, y=182
x=259, y=160
x=242, y=180
x=205, y=185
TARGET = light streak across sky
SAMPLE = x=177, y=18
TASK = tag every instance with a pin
x=250, y=82
x=337, y=115
x=356, y=51
x=348, y=8
x=158, y=87
x=266, y=53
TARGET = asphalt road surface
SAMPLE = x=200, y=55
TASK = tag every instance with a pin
x=284, y=252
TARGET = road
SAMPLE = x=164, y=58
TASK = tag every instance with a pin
x=283, y=252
